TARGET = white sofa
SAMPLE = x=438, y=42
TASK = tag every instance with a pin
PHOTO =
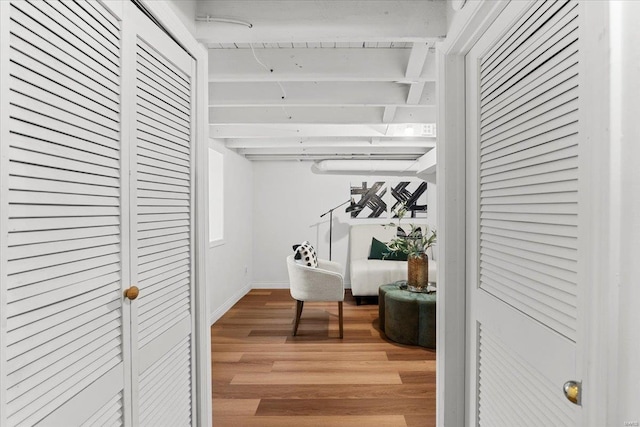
x=368, y=274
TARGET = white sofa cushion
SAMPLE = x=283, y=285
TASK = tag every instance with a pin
x=368, y=274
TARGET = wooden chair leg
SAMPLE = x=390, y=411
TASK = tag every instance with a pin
x=299, y=305
x=340, y=318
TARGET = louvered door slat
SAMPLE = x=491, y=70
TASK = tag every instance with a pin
x=173, y=264
x=176, y=156
x=529, y=94
x=67, y=26
x=164, y=102
x=162, y=75
x=150, y=234
x=537, y=295
x=62, y=369
x=56, y=33
x=499, y=369
x=148, y=135
x=45, y=185
x=33, y=106
x=158, y=154
x=548, y=41
x=154, y=159
x=69, y=153
x=166, y=72
x=158, y=80
x=539, y=79
x=553, y=240
x=556, y=252
x=564, y=115
x=64, y=269
x=48, y=71
x=517, y=34
x=63, y=98
x=84, y=23
x=49, y=121
x=101, y=19
x=556, y=176
x=519, y=53
x=170, y=283
x=114, y=406
x=167, y=236
x=556, y=99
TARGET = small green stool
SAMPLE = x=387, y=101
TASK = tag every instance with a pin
x=407, y=317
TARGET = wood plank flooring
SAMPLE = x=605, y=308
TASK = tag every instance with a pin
x=263, y=376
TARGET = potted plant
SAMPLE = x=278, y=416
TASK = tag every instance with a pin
x=414, y=244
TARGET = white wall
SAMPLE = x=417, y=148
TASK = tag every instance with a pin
x=288, y=201
x=186, y=11
x=230, y=264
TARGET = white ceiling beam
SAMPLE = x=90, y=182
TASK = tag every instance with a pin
x=418, y=151
x=416, y=94
x=313, y=94
x=280, y=130
x=314, y=65
x=417, y=59
x=389, y=114
x=326, y=156
x=276, y=143
x=291, y=130
x=319, y=115
x=320, y=21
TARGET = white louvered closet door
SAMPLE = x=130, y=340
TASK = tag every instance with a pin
x=96, y=186
x=62, y=260
x=523, y=189
x=162, y=230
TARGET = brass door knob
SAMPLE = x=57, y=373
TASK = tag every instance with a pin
x=572, y=391
x=132, y=293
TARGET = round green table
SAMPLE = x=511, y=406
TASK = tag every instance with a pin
x=407, y=317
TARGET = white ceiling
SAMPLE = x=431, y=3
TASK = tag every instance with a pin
x=330, y=79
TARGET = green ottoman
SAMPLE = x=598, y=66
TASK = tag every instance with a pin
x=407, y=317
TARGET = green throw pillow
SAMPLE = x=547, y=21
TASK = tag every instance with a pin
x=379, y=250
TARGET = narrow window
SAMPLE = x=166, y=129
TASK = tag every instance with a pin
x=216, y=197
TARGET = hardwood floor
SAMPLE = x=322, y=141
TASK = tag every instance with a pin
x=263, y=376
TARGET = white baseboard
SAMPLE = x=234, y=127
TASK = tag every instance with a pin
x=270, y=285
x=220, y=311
x=280, y=285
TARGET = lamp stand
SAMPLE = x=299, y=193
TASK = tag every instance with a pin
x=330, y=212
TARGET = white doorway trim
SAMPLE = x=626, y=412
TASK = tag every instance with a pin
x=470, y=24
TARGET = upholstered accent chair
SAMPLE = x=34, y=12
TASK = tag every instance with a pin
x=322, y=283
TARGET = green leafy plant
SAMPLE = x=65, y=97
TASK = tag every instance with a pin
x=416, y=242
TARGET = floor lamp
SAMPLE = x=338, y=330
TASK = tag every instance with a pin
x=353, y=207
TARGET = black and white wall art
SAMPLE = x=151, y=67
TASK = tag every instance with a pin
x=414, y=196
x=380, y=199
x=371, y=197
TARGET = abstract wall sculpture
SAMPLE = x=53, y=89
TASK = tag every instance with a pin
x=371, y=197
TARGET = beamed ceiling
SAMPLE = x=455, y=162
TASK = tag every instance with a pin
x=317, y=80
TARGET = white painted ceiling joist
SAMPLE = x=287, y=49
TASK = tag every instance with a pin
x=373, y=94
x=328, y=143
x=318, y=115
x=322, y=21
x=417, y=151
x=314, y=65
